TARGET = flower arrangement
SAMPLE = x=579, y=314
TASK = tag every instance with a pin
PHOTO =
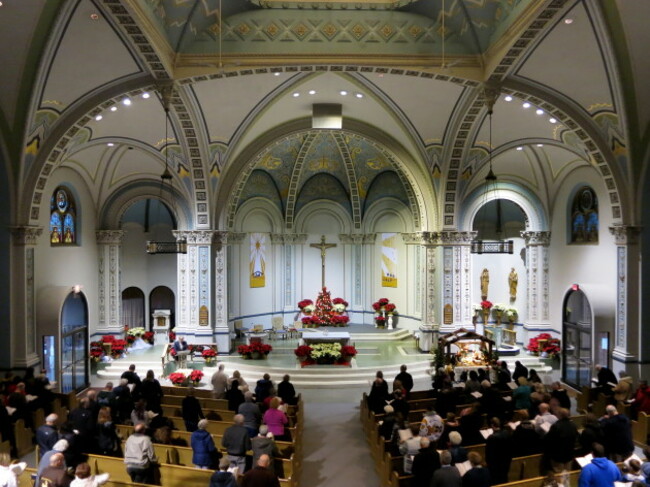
x=498, y=309
x=390, y=308
x=306, y=306
x=545, y=345
x=255, y=348
x=326, y=352
x=118, y=347
x=511, y=313
x=303, y=351
x=348, y=351
x=486, y=305
x=96, y=351
x=208, y=353
x=310, y=320
x=178, y=378
x=380, y=320
x=108, y=339
x=337, y=320
x=340, y=301
x=135, y=332
x=172, y=336
x=196, y=376
x=130, y=339
x=379, y=304
x=147, y=336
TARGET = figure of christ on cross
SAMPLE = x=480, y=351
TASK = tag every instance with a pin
x=323, y=247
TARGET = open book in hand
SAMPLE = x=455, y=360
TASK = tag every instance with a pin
x=463, y=467
x=486, y=432
x=582, y=461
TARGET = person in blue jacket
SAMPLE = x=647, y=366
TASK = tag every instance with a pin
x=203, y=449
x=601, y=472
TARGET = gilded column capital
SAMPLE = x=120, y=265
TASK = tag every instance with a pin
x=109, y=237
x=26, y=235
x=536, y=238
x=625, y=234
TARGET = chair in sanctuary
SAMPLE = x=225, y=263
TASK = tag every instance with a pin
x=278, y=329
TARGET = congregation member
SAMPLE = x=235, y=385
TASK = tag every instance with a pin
x=139, y=456
x=123, y=401
x=264, y=444
x=527, y=440
x=521, y=395
x=409, y=447
x=592, y=432
x=82, y=477
x=477, y=476
x=425, y=463
x=458, y=452
x=133, y=380
x=84, y=422
x=263, y=388
x=641, y=399
x=260, y=475
x=471, y=421
x=545, y=419
x=276, y=420
x=520, y=371
x=151, y=392
x=222, y=477
x=47, y=435
x=632, y=472
x=605, y=380
x=560, y=396
x=59, y=447
x=55, y=474
x=431, y=426
x=533, y=377
x=107, y=441
x=287, y=392
x=559, y=442
x=493, y=405
x=219, y=383
x=378, y=393
x=237, y=442
x=251, y=413
x=405, y=379
x=447, y=475
x=106, y=397
x=472, y=384
x=9, y=472
x=625, y=388
x=191, y=410
x=399, y=403
x=387, y=426
x=617, y=431
x=203, y=449
x=236, y=376
x=499, y=450
x=140, y=413
x=600, y=472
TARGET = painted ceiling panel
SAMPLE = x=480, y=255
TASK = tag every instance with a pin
x=134, y=164
x=17, y=29
x=90, y=162
x=635, y=17
x=569, y=61
x=324, y=156
x=126, y=122
x=260, y=184
x=430, y=110
x=100, y=58
x=226, y=102
x=559, y=161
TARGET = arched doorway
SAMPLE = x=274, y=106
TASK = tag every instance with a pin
x=162, y=297
x=577, y=340
x=74, y=343
x=133, y=307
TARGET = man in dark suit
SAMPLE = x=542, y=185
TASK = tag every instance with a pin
x=406, y=379
x=447, y=475
x=559, y=442
x=618, y=434
x=499, y=450
x=425, y=463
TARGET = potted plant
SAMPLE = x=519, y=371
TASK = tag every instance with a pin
x=380, y=321
x=348, y=352
x=326, y=353
x=178, y=379
x=210, y=356
x=118, y=348
x=148, y=337
x=306, y=306
x=195, y=377
x=303, y=352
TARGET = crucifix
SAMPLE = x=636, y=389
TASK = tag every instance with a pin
x=323, y=247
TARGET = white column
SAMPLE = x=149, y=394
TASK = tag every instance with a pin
x=537, y=280
x=353, y=248
x=627, y=339
x=367, y=265
x=427, y=241
x=221, y=329
x=109, y=250
x=23, y=322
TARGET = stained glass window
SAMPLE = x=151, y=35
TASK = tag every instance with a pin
x=584, y=217
x=63, y=215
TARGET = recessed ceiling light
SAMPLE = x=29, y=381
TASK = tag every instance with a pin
x=539, y=111
x=126, y=102
x=343, y=92
x=526, y=105
x=312, y=92
x=568, y=21
x=359, y=95
x=540, y=145
x=1, y=4
x=110, y=144
x=552, y=120
x=98, y=117
x=520, y=148
x=94, y=17
x=145, y=95
x=296, y=94
x=508, y=98
x=276, y=74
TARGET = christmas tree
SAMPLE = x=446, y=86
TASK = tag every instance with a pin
x=324, y=307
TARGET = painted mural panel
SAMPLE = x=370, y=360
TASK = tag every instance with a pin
x=257, y=260
x=388, y=260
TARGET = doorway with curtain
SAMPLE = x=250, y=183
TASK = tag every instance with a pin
x=162, y=297
x=577, y=339
x=74, y=343
x=133, y=311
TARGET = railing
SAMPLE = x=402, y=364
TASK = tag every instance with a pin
x=166, y=353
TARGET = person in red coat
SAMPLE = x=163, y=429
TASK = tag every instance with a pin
x=641, y=399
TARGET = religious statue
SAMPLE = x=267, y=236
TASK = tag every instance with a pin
x=513, y=279
x=485, y=282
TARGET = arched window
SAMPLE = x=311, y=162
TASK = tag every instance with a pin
x=584, y=217
x=63, y=218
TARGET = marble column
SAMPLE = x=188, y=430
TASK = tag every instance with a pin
x=537, y=280
x=109, y=251
x=194, y=278
x=457, y=283
x=353, y=249
x=22, y=350
x=222, y=331
x=427, y=243
x=627, y=338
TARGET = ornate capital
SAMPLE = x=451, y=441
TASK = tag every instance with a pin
x=295, y=238
x=276, y=238
x=415, y=238
x=353, y=238
x=109, y=237
x=625, y=234
x=536, y=238
x=26, y=235
x=235, y=238
x=369, y=238
x=194, y=237
x=457, y=238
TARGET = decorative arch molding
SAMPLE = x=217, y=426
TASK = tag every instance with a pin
x=122, y=199
x=259, y=206
x=387, y=206
x=326, y=207
x=537, y=220
x=413, y=173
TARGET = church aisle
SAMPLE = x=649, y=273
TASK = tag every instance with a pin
x=335, y=450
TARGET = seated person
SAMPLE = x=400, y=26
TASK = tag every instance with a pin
x=180, y=345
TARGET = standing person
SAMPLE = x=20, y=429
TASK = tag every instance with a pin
x=276, y=420
x=235, y=396
x=560, y=396
x=432, y=426
x=9, y=472
x=191, y=410
x=123, y=401
x=133, y=380
x=605, y=380
x=641, y=399
x=108, y=443
x=287, y=392
x=222, y=477
x=425, y=463
x=447, y=475
x=219, y=383
x=624, y=389
x=251, y=413
x=47, y=435
x=406, y=379
x=236, y=375
x=237, y=442
x=84, y=422
x=151, y=392
x=56, y=473
x=617, y=431
x=264, y=444
x=378, y=394
x=203, y=449
x=600, y=472
x=477, y=476
x=82, y=477
x=499, y=450
x=559, y=442
x=263, y=388
x=260, y=476
x=139, y=456
x=520, y=371
x=59, y=447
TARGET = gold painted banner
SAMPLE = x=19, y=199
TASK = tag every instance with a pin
x=388, y=260
x=258, y=260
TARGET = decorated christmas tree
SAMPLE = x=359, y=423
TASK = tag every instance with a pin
x=324, y=307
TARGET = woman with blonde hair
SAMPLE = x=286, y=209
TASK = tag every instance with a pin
x=276, y=420
x=82, y=477
x=108, y=443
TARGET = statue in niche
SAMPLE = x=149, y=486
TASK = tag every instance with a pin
x=485, y=282
x=513, y=279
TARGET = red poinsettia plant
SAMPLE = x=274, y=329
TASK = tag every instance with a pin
x=177, y=378
x=304, y=303
x=117, y=347
x=172, y=336
x=390, y=308
x=303, y=351
x=340, y=301
x=348, y=350
x=380, y=320
x=130, y=339
x=339, y=320
x=148, y=337
x=380, y=303
x=196, y=375
x=544, y=343
x=208, y=353
x=96, y=351
x=255, y=347
x=108, y=339
x=310, y=320
x=487, y=305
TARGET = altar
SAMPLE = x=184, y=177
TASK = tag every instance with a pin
x=325, y=336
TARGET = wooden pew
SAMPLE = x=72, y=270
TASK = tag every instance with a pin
x=641, y=429
x=24, y=436
x=174, y=410
x=205, y=402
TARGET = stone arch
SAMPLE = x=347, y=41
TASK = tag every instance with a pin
x=386, y=206
x=260, y=206
x=329, y=208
